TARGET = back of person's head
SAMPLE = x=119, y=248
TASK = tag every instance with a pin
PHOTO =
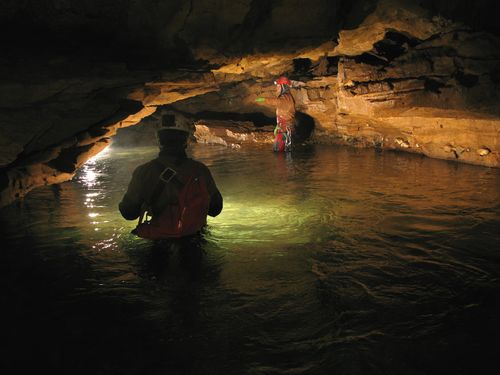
x=173, y=133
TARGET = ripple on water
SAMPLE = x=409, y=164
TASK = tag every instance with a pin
x=325, y=260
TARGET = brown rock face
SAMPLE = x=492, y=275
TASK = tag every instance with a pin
x=416, y=76
x=423, y=96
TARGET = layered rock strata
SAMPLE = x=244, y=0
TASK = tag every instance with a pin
x=47, y=135
x=416, y=76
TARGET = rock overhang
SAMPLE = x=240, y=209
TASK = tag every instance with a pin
x=387, y=73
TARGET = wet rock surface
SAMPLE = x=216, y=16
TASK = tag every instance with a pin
x=418, y=77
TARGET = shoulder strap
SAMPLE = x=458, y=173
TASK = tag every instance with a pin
x=168, y=175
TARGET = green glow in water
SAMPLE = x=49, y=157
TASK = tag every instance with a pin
x=265, y=220
x=254, y=214
x=248, y=216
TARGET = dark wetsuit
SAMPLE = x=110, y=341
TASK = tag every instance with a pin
x=145, y=179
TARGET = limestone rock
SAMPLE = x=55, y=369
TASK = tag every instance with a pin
x=232, y=134
x=418, y=76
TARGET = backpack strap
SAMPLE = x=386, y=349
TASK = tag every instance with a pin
x=168, y=175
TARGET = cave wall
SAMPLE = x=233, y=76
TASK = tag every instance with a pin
x=403, y=79
x=418, y=76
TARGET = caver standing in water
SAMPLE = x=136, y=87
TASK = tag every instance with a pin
x=285, y=114
x=172, y=194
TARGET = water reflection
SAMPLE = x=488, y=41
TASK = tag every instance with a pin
x=324, y=260
x=89, y=172
x=89, y=175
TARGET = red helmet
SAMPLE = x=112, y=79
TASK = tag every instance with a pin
x=283, y=81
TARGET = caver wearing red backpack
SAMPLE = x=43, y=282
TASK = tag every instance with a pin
x=172, y=194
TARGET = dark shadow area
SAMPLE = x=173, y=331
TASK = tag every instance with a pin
x=350, y=14
x=495, y=75
x=370, y=59
x=186, y=256
x=433, y=85
x=394, y=45
x=333, y=64
x=58, y=318
x=479, y=14
x=41, y=31
x=302, y=67
x=467, y=80
x=304, y=126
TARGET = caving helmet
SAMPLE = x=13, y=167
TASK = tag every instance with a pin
x=283, y=81
x=174, y=122
x=173, y=129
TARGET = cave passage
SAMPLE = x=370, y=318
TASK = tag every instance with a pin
x=372, y=248
x=325, y=260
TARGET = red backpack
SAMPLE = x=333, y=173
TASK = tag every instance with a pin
x=186, y=217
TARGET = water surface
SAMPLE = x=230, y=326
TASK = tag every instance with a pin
x=329, y=260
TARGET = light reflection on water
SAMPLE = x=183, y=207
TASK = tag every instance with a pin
x=326, y=260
